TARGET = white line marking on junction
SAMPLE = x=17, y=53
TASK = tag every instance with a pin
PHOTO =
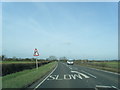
x=75, y=68
x=101, y=86
x=116, y=87
x=105, y=71
x=45, y=78
x=70, y=68
x=80, y=74
x=89, y=74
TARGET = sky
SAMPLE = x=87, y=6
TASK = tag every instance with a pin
x=77, y=30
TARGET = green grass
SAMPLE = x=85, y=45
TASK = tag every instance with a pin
x=109, y=66
x=0, y=83
x=26, y=77
x=113, y=64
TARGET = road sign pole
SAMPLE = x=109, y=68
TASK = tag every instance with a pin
x=36, y=54
x=36, y=64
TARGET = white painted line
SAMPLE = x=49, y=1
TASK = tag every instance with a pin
x=84, y=75
x=70, y=68
x=89, y=74
x=75, y=75
x=116, y=87
x=105, y=71
x=75, y=68
x=45, y=78
x=101, y=86
x=80, y=74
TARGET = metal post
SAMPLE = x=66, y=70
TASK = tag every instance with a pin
x=36, y=64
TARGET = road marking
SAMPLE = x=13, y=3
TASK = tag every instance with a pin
x=64, y=77
x=45, y=78
x=75, y=68
x=80, y=74
x=67, y=77
x=57, y=76
x=116, y=87
x=52, y=77
x=89, y=74
x=105, y=71
x=70, y=68
x=101, y=86
x=74, y=76
x=84, y=75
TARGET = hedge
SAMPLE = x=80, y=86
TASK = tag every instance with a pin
x=16, y=67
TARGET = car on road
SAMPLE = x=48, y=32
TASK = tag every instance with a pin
x=70, y=62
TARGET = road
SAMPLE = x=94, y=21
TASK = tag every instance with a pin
x=76, y=76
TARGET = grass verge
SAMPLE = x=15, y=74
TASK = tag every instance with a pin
x=26, y=77
x=112, y=69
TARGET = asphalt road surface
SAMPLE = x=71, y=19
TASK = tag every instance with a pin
x=75, y=76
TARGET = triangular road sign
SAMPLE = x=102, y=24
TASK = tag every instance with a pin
x=36, y=52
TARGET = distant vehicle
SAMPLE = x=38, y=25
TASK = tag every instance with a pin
x=70, y=62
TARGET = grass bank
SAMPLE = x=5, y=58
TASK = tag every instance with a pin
x=26, y=77
x=109, y=66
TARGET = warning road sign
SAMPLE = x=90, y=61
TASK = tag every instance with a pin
x=36, y=52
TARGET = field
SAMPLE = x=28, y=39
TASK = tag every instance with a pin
x=107, y=64
x=23, y=79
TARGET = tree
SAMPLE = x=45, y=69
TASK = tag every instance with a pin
x=52, y=58
x=0, y=58
x=63, y=58
x=3, y=57
x=14, y=58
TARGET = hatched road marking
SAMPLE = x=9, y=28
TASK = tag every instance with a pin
x=80, y=74
x=89, y=74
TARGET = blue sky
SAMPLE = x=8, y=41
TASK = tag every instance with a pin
x=73, y=29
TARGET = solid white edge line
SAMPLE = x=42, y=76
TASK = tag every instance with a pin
x=45, y=78
x=103, y=86
x=105, y=71
x=116, y=87
x=107, y=86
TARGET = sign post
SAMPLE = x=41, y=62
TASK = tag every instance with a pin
x=36, y=54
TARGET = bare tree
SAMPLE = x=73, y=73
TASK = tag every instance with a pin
x=63, y=58
x=52, y=58
x=3, y=57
